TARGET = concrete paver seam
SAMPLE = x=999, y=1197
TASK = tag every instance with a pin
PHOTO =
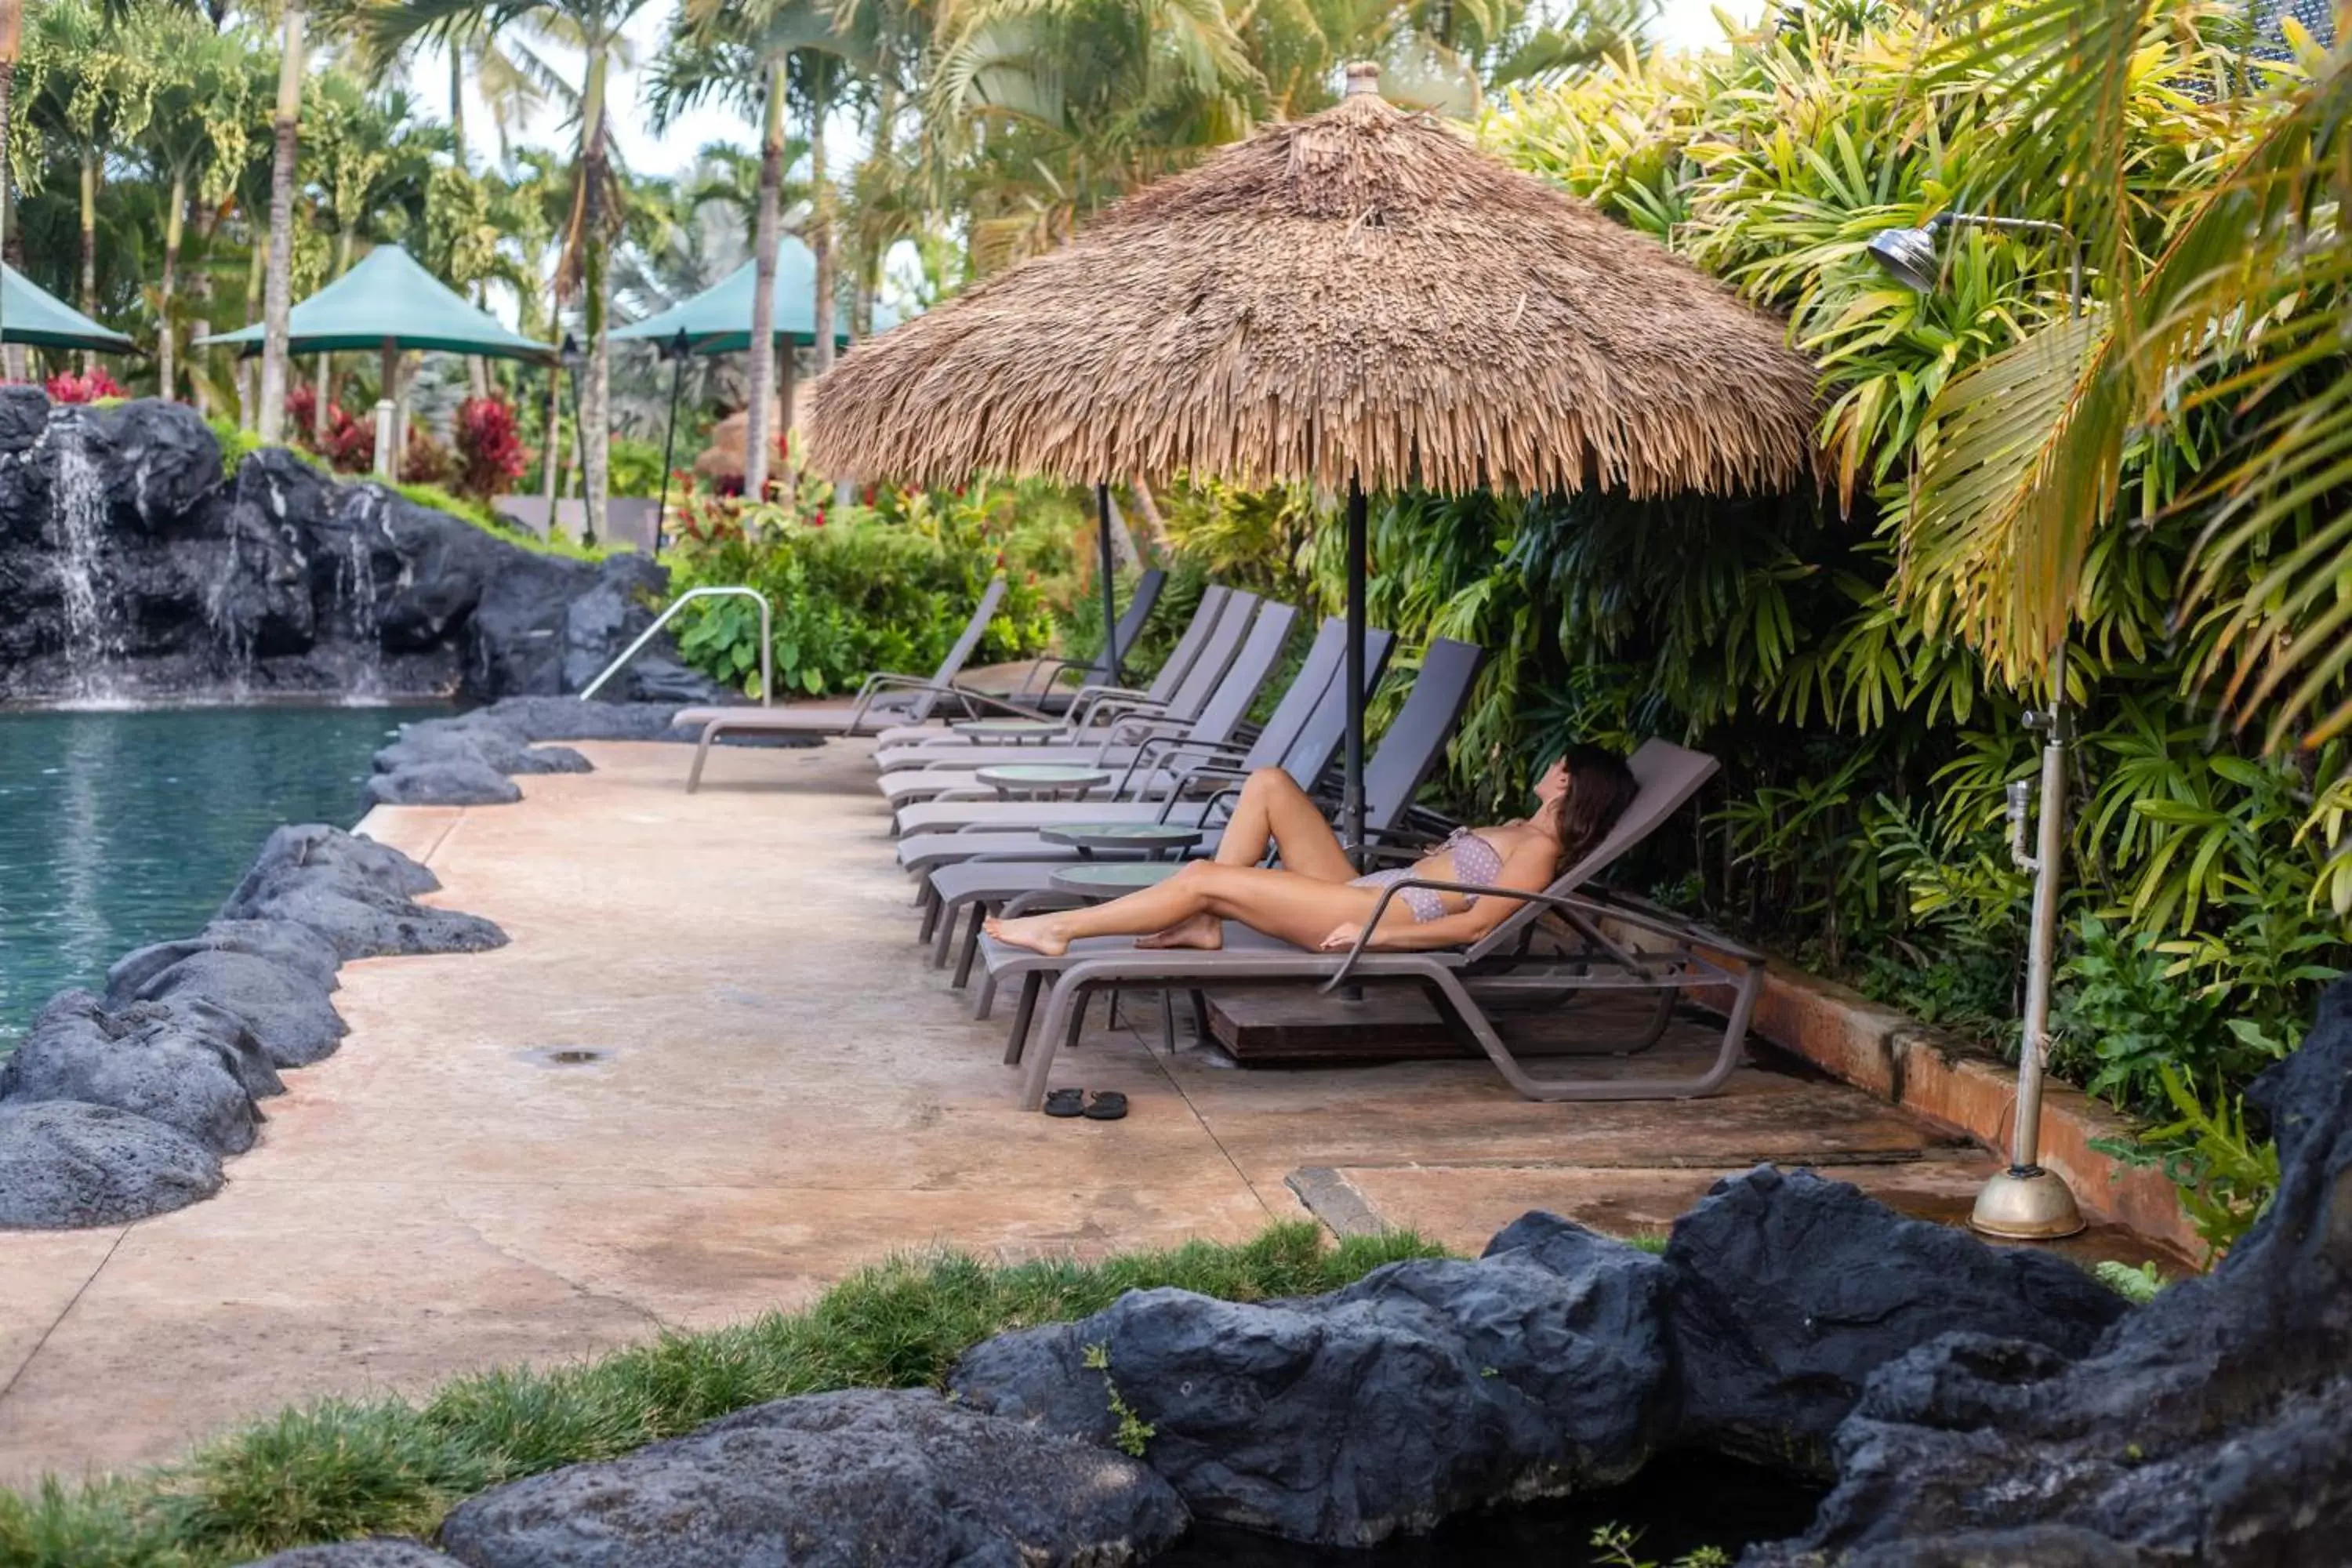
x=63, y=1314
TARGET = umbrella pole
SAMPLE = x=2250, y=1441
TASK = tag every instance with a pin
x=1109, y=595
x=670, y=440
x=1352, y=800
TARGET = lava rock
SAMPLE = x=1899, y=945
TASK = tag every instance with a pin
x=377, y=1551
x=162, y=462
x=1425, y=1388
x=1788, y=1291
x=285, y=1009
x=355, y=894
x=293, y=947
x=457, y=782
x=539, y=719
x=443, y=565
x=315, y=847
x=152, y=1062
x=477, y=739
x=2212, y=1427
x=23, y=418
x=64, y=1164
x=858, y=1479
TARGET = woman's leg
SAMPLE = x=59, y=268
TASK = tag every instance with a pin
x=1284, y=904
x=1272, y=808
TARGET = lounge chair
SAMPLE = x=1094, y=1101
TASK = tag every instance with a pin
x=940, y=833
x=1008, y=878
x=1043, y=691
x=1206, y=616
x=1132, y=747
x=1527, y=956
x=885, y=699
x=1301, y=737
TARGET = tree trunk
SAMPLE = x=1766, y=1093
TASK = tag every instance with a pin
x=11, y=24
x=457, y=101
x=90, y=247
x=278, y=298
x=1149, y=505
x=324, y=378
x=248, y=366
x=757, y=437
x=820, y=222
x=596, y=398
x=166, y=359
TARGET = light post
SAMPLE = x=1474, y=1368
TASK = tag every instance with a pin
x=576, y=363
x=2024, y=1202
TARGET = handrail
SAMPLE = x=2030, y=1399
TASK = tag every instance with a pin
x=767, y=640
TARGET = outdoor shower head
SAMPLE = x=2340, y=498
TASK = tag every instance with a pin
x=1908, y=255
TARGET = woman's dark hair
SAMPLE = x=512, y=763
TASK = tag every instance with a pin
x=1599, y=787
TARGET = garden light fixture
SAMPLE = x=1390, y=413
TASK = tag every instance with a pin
x=675, y=351
x=2024, y=1202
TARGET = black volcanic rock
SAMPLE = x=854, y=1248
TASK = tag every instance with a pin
x=354, y=893
x=1423, y=1389
x=65, y=1164
x=864, y=1478
x=1789, y=1292
x=282, y=581
x=2212, y=1427
x=153, y=1062
x=285, y=1009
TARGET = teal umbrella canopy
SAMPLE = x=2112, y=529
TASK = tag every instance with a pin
x=385, y=299
x=718, y=320
x=31, y=314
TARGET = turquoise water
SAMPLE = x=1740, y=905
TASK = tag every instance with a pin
x=122, y=828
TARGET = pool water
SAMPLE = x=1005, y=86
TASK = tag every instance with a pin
x=120, y=829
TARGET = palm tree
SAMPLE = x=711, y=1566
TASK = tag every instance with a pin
x=762, y=56
x=196, y=142
x=372, y=161
x=278, y=283
x=2241, y=305
x=594, y=28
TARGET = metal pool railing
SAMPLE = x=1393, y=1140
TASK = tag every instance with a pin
x=767, y=640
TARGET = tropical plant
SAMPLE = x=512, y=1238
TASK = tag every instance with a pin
x=594, y=28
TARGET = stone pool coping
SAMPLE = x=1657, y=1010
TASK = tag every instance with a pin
x=1960, y=1086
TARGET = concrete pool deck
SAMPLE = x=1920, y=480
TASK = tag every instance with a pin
x=777, y=1090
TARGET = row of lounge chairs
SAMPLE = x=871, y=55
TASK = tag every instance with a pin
x=1176, y=751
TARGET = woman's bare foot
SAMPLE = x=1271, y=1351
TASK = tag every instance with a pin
x=1039, y=934
x=1203, y=931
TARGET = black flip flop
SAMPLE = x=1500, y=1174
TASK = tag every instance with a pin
x=1109, y=1106
x=1066, y=1102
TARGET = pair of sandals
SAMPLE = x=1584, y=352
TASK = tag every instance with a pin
x=1107, y=1106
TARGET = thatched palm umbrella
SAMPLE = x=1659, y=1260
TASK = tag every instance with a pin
x=1360, y=299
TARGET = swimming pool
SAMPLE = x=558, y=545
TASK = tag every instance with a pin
x=120, y=829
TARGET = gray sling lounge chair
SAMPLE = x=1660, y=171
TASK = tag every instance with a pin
x=1527, y=956
x=1043, y=689
x=1206, y=616
x=884, y=698
x=1301, y=737
x=1130, y=747
x=1399, y=765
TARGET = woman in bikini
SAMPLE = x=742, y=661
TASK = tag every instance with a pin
x=1317, y=901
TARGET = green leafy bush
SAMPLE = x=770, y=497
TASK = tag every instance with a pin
x=857, y=589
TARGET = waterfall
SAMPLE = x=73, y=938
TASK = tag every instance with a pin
x=233, y=636
x=92, y=642
x=355, y=591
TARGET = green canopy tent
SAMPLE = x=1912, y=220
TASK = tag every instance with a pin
x=30, y=314
x=719, y=322
x=389, y=303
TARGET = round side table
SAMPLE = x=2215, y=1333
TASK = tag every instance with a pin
x=1042, y=780
x=1151, y=839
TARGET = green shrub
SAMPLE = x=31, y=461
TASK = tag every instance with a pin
x=855, y=589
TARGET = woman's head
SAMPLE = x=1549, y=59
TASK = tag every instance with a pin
x=1585, y=793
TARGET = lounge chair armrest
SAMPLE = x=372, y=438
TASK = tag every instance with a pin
x=1056, y=665
x=1579, y=912
x=1646, y=914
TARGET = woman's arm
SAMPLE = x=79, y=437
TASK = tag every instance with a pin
x=1528, y=870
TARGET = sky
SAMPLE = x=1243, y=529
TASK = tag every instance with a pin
x=1680, y=24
